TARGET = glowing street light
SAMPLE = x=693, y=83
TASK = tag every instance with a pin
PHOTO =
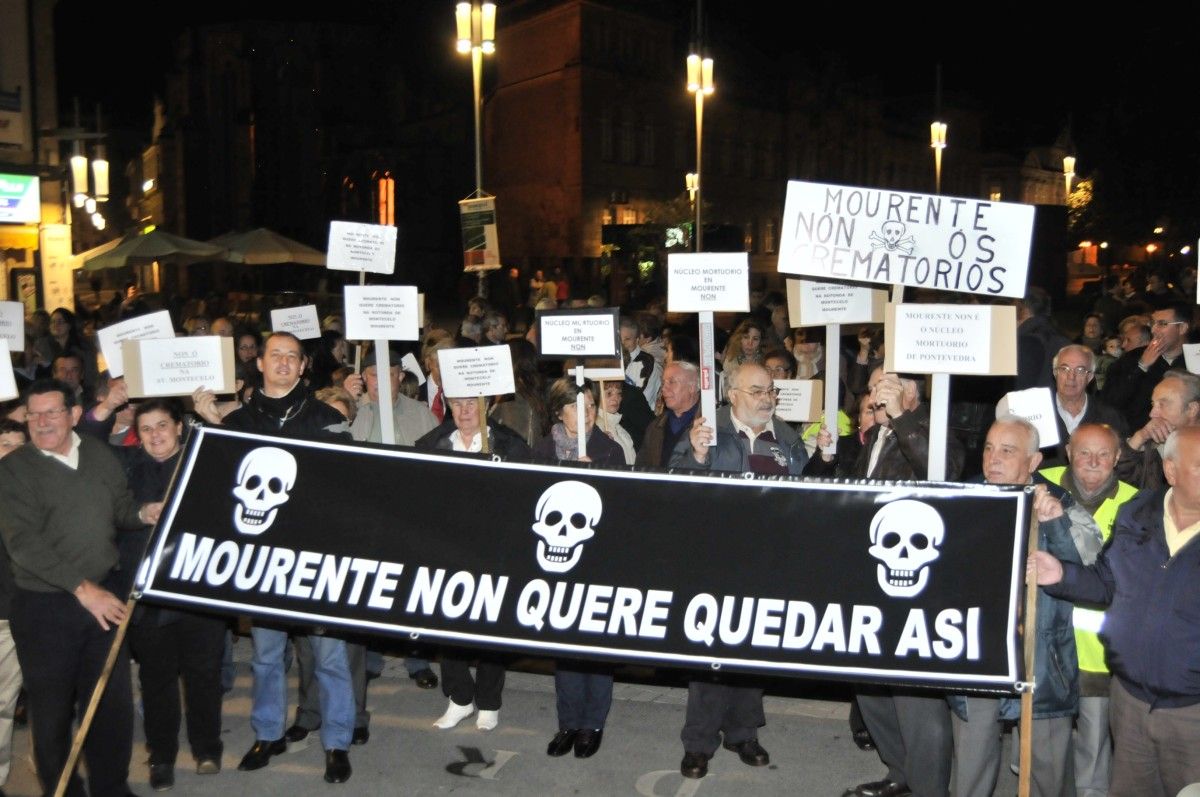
x=937, y=140
x=477, y=35
x=700, y=83
x=1068, y=173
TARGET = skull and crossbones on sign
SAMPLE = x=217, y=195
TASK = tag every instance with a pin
x=892, y=239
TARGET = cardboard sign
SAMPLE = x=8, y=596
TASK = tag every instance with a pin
x=145, y=327
x=799, y=400
x=481, y=371
x=361, y=247
x=1035, y=405
x=481, y=243
x=12, y=325
x=300, y=321
x=578, y=333
x=816, y=304
x=409, y=363
x=718, y=281
x=382, y=312
x=951, y=339
x=1191, y=357
x=8, y=382
x=898, y=238
x=178, y=366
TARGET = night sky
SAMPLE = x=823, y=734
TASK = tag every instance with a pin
x=1127, y=87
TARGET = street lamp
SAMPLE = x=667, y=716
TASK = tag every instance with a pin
x=1068, y=173
x=937, y=140
x=700, y=83
x=477, y=36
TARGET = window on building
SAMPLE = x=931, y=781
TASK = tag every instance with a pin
x=606, y=135
x=768, y=236
x=995, y=194
x=748, y=237
x=648, y=144
x=629, y=216
x=628, y=138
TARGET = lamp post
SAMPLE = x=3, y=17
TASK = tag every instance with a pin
x=1068, y=173
x=81, y=197
x=937, y=140
x=477, y=36
x=699, y=83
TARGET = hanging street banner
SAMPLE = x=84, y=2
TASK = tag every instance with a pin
x=913, y=583
x=481, y=244
x=898, y=238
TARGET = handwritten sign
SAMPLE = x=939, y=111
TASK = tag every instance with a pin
x=300, y=321
x=898, y=238
x=1035, y=405
x=951, y=339
x=718, y=281
x=578, y=333
x=361, y=247
x=8, y=382
x=816, y=304
x=178, y=366
x=145, y=327
x=799, y=400
x=409, y=363
x=12, y=325
x=382, y=312
x=482, y=371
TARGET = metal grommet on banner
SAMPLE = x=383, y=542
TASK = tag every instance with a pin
x=414, y=635
x=748, y=476
x=1024, y=686
x=715, y=666
x=496, y=458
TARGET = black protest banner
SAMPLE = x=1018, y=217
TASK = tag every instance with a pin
x=913, y=583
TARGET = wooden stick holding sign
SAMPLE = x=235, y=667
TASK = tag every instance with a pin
x=1029, y=639
x=477, y=373
x=580, y=413
x=383, y=313
x=705, y=283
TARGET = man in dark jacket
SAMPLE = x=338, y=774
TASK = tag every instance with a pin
x=681, y=402
x=1074, y=369
x=1037, y=340
x=1131, y=379
x=1147, y=578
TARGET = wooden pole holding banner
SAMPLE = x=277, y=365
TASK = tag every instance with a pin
x=708, y=372
x=833, y=377
x=1029, y=639
x=483, y=428
x=580, y=413
x=85, y=723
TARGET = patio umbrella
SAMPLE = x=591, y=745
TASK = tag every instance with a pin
x=155, y=245
x=267, y=247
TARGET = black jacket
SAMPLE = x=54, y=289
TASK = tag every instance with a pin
x=504, y=442
x=298, y=414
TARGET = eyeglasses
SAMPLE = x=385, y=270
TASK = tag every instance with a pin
x=52, y=415
x=1079, y=370
x=777, y=369
x=1159, y=323
x=759, y=392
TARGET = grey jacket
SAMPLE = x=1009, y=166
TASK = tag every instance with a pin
x=730, y=455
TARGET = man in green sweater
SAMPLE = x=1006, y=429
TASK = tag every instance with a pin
x=62, y=498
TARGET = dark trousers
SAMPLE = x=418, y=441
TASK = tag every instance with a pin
x=583, y=694
x=716, y=710
x=190, y=647
x=308, y=712
x=62, y=651
x=913, y=736
x=483, y=690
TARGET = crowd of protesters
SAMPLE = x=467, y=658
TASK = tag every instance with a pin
x=1127, y=410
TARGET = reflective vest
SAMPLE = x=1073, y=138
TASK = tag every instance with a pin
x=1088, y=622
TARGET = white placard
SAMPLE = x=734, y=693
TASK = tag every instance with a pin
x=361, y=247
x=578, y=334
x=819, y=303
x=799, y=400
x=946, y=338
x=898, y=238
x=718, y=281
x=178, y=366
x=1035, y=405
x=300, y=321
x=12, y=325
x=409, y=363
x=382, y=312
x=143, y=327
x=8, y=382
x=604, y=374
x=1191, y=357
x=481, y=371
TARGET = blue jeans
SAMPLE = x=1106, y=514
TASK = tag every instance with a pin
x=269, y=713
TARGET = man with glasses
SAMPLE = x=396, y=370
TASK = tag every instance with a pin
x=681, y=403
x=1074, y=368
x=749, y=440
x=1174, y=404
x=62, y=500
x=1131, y=379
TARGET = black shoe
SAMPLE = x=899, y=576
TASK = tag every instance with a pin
x=260, y=754
x=863, y=740
x=562, y=743
x=694, y=765
x=162, y=777
x=208, y=765
x=337, y=766
x=751, y=753
x=297, y=733
x=426, y=678
x=588, y=742
x=881, y=788
x=361, y=736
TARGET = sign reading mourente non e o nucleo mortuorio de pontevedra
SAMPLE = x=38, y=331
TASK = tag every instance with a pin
x=913, y=583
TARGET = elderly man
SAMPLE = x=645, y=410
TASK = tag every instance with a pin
x=1146, y=576
x=1011, y=456
x=1074, y=369
x=285, y=407
x=1131, y=379
x=495, y=328
x=681, y=402
x=1175, y=403
x=62, y=498
x=911, y=730
x=749, y=440
x=411, y=418
x=1092, y=483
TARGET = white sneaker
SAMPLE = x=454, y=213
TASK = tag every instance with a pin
x=454, y=715
x=487, y=720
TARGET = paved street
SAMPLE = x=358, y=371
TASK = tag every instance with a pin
x=806, y=734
